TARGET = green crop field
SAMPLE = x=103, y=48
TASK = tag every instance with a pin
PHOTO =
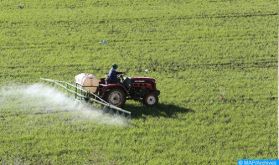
x=215, y=63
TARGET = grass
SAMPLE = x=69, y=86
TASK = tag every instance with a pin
x=215, y=63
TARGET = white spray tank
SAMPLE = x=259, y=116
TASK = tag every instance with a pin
x=87, y=81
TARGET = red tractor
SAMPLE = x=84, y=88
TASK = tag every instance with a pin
x=142, y=89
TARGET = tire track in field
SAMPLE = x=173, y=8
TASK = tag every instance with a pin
x=229, y=16
x=188, y=17
x=77, y=23
x=233, y=65
x=174, y=67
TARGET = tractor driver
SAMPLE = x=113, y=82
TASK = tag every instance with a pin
x=112, y=76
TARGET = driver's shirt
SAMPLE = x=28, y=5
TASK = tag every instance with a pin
x=112, y=76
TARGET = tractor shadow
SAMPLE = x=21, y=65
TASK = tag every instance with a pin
x=161, y=110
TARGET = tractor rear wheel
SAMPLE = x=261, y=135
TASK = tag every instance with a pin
x=116, y=97
x=151, y=99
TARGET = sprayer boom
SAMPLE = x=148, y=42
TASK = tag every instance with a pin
x=88, y=96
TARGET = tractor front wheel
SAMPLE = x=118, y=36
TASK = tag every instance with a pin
x=116, y=97
x=151, y=99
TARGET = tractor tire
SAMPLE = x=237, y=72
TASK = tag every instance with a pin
x=116, y=97
x=151, y=99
